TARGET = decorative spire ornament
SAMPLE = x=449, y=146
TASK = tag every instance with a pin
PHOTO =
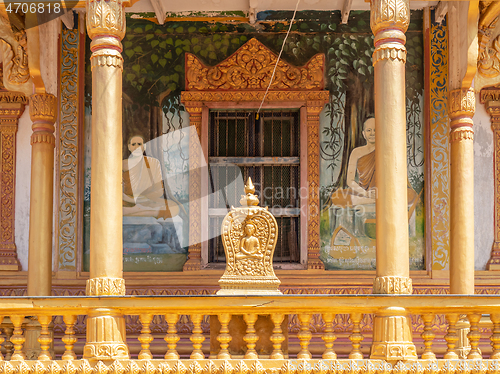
x=249, y=235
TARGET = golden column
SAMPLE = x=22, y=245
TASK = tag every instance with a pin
x=389, y=20
x=461, y=107
x=43, y=113
x=106, y=327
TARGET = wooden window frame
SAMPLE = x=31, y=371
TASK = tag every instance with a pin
x=310, y=103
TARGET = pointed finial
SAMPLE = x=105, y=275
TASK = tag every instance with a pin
x=249, y=187
x=249, y=198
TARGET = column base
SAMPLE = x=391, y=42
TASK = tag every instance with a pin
x=390, y=285
x=106, y=336
x=192, y=264
x=10, y=267
x=8, y=259
x=494, y=261
x=392, y=339
x=315, y=264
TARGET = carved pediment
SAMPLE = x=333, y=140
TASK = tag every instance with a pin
x=251, y=67
x=488, y=64
x=14, y=51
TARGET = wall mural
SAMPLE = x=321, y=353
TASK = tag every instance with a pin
x=155, y=142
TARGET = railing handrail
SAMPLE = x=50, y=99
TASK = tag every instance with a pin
x=286, y=304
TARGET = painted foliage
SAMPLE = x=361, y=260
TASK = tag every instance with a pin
x=153, y=78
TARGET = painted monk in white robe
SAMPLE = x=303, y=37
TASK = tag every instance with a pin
x=143, y=192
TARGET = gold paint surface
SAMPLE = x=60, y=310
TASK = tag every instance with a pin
x=249, y=236
x=105, y=18
x=461, y=106
x=389, y=21
x=43, y=113
x=195, y=158
x=313, y=109
x=252, y=64
x=439, y=148
x=11, y=108
x=68, y=160
x=106, y=27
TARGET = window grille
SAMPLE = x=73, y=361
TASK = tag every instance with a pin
x=267, y=150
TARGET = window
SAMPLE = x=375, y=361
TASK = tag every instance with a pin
x=266, y=149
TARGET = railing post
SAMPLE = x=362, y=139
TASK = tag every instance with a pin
x=328, y=337
x=392, y=337
x=69, y=338
x=106, y=327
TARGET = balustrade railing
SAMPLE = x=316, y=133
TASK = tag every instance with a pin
x=456, y=309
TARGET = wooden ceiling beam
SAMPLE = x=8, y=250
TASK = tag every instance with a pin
x=159, y=11
x=441, y=11
x=346, y=9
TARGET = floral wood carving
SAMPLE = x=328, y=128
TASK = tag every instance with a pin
x=16, y=65
x=251, y=67
x=16, y=75
x=106, y=18
x=243, y=78
x=249, y=235
x=489, y=62
x=11, y=108
x=393, y=285
x=390, y=14
x=68, y=150
x=239, y=96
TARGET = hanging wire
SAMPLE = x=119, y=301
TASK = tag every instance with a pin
x=278, y=60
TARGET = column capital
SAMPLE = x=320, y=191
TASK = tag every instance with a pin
x=489, y=95
x=43, y=113
x=43, y=108
x=461, y=107
x=392, y=16
x=106, y=18
x=493, y=109
x=389, y=20
x=314, y=108
x=194, y=108
x=492, y=104
x=11, y=107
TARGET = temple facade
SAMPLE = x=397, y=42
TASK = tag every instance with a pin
x=247, y=187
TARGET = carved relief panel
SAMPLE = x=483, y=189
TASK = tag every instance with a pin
x=11, y=108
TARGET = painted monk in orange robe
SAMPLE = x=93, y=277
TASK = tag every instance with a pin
x=362, y=164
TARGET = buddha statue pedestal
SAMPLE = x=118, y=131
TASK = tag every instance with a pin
x=249, y=235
